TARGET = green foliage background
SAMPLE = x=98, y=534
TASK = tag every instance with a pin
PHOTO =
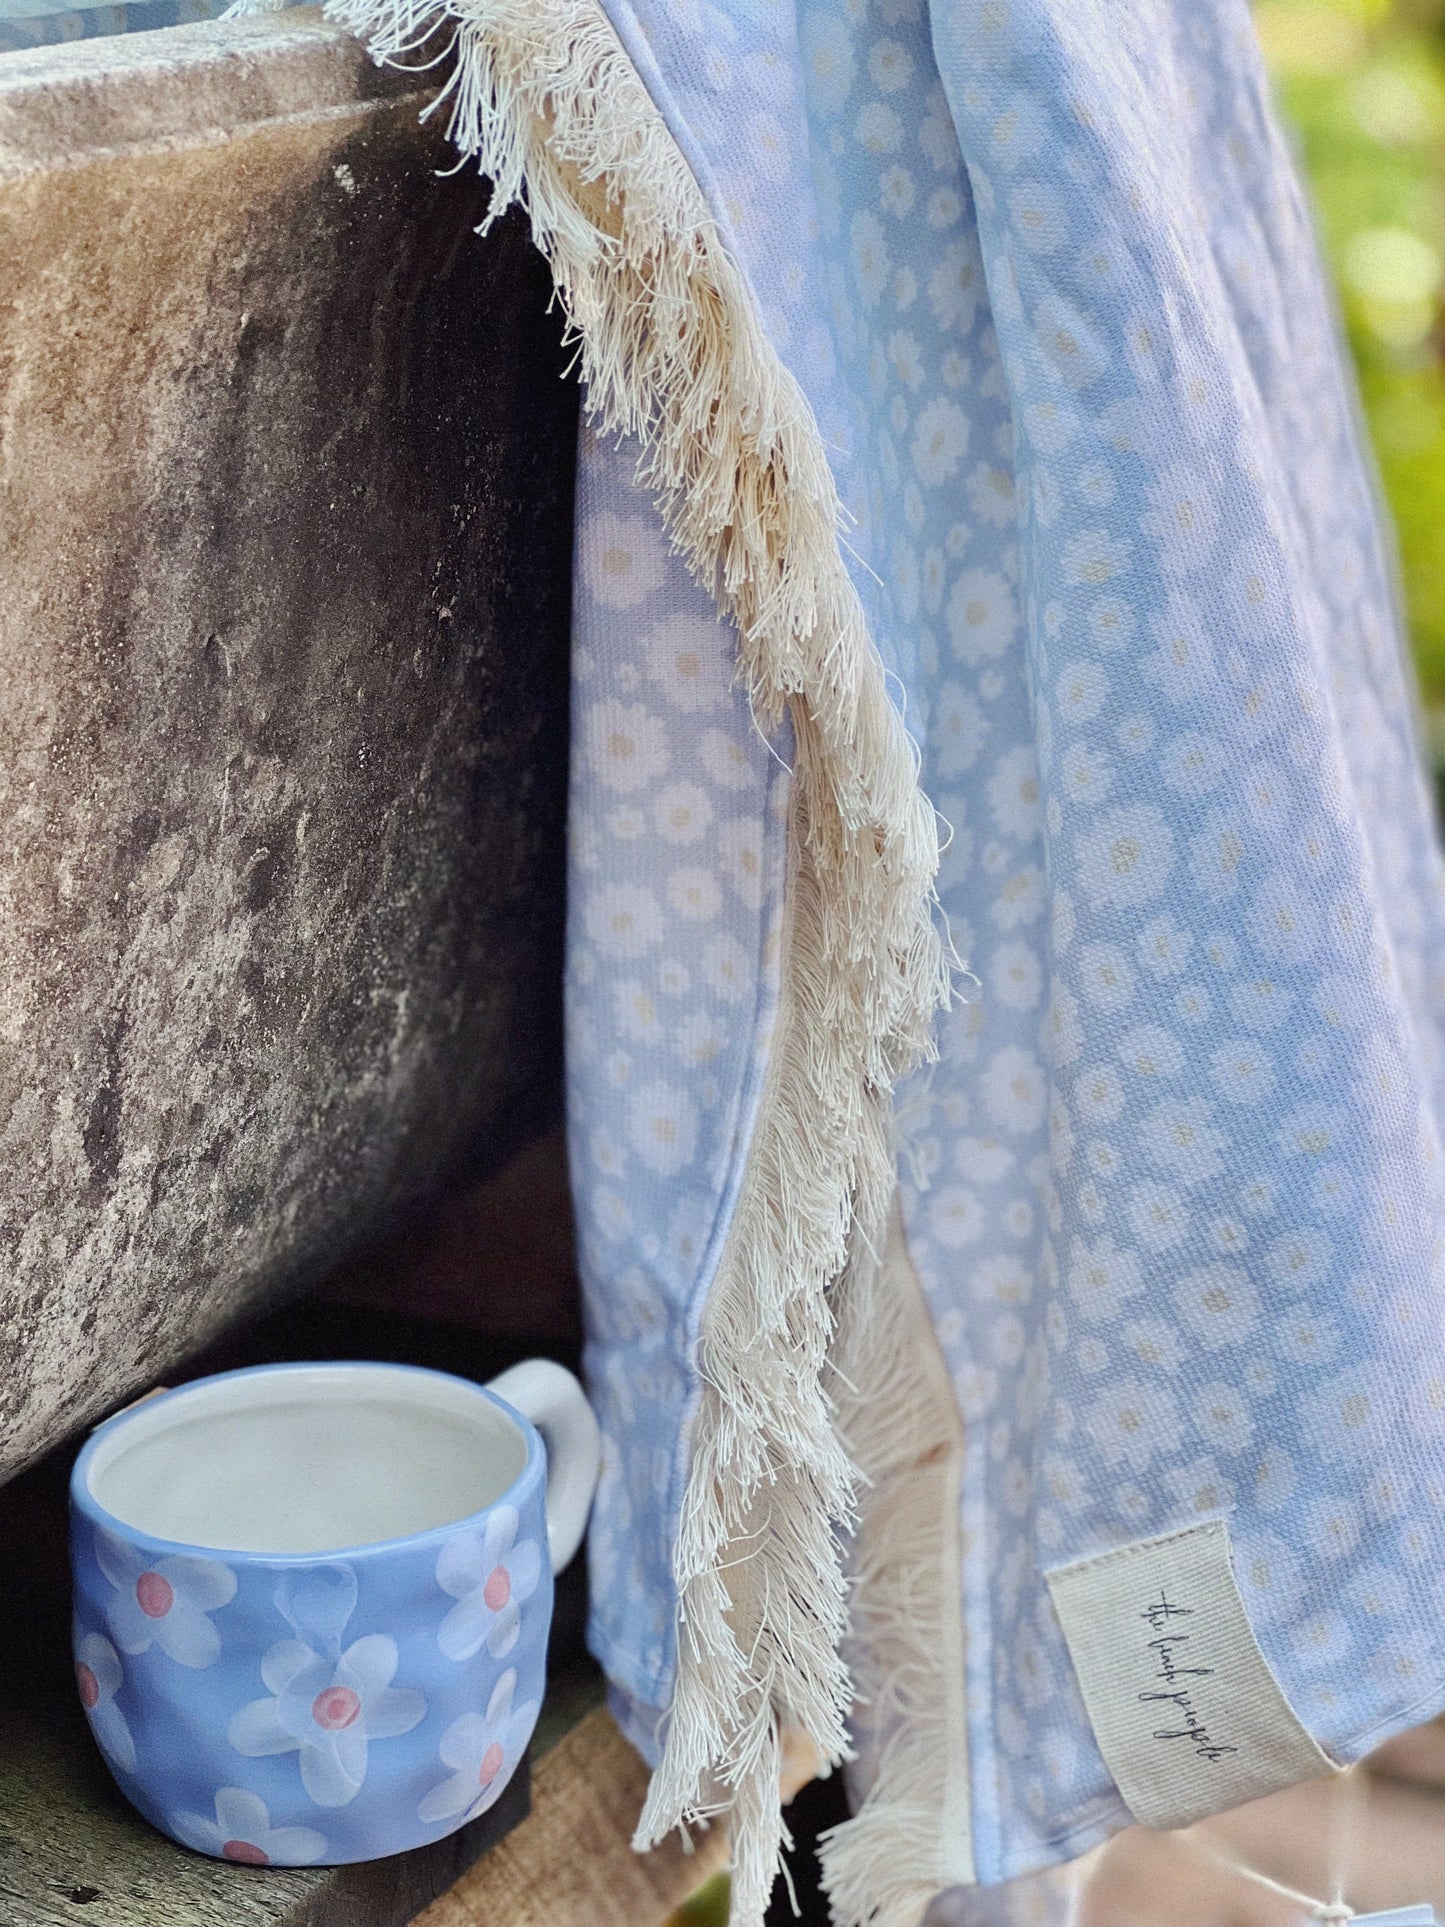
x=1363, y=82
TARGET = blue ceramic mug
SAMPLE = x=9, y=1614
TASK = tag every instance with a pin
x=312, y=1601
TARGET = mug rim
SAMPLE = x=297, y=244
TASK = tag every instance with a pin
x=84, y=1502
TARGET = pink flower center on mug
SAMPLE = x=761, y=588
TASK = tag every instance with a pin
x=334, y=1708
x=243, y=1851
x=491, y=1765
x=498, y=1589
x=155, y=1594
x=87, y=1682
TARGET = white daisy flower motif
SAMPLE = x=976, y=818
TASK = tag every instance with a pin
x=1106, y=977
x=1015, y=1090
x=165, y=1602
x=1038, y=216
x=1095, y=558
x=328, y=1709
x=622, y=559
x=1088, y=775
x=871, y=263
x=1013, y=793
x=1021, y=900
x=991, y=494
x=694, y=894
x=1182, y=519
x=1095, y=483
x=624, y=744
x=1126, y=858
x=726, y=761
x=1299, y=1260
x=767, y=145
x=1219, y=1304
x=1112, y=623
x=740, y=855
x=1283, y=920
x=99, y=1676
x=955, y=284
x=878, y=129
x=956, y=1216
x=1243, y=1072
x=662, y=1124
x=1015, y=976
x=727, y=969
x=1154, y=1345
x=1101, y=1276
x=982, y=1160
x=1199, y=1487
x=828, y=49
x=982, y=617
x=945, y=207
x=1193, y=764
x=896, y=191
x=687, y=658
x=1222, y=1415
x=1179, y=1137
x=1130, y=1423
x=1151, y=1051
x=906, y=357
x=623, y=921
x=890, y=66
x=940, y=441
x=1067, y=343
x=636, y=1012
x=1158, y=1216
x=606, y=1153
x=1182, y=666
x=1082, y=690
x=491, y=1576
x=241, y=1831
x=958, y=731
x=1099, y=1094
x=682, y=812
x=482, y=1750
x=1164, y=946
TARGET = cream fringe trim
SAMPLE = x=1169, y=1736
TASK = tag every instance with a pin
x=912, y=1834
x=546, y=101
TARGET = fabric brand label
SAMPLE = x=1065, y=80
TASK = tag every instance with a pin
x=1188, y=1716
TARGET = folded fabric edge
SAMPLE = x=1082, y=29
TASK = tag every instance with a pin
x=543, y=97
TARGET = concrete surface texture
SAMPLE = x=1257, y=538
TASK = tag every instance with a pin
x=285, y=527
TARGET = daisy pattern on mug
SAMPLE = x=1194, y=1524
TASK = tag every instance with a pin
x=241, y=1831
x=491, y=1576
x=164, y=1602
x=482, y=1750
x=327, y=1703
x=99, y=1676
x=329, y=1711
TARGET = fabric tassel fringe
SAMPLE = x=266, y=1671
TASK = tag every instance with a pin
x=543, y=97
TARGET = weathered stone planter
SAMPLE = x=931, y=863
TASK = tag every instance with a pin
x=285, y=523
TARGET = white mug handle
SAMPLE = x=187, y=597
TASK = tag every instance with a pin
x=548, y=1395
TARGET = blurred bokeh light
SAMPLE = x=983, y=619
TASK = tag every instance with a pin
x=1363, y=83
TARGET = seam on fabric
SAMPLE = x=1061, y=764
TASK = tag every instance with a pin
x=911, y=1837
x=545, y=99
